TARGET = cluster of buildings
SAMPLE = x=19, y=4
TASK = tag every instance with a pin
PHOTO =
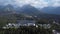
x=13, y=25
x=26, y=23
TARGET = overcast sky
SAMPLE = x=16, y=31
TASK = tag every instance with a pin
x=35, y=3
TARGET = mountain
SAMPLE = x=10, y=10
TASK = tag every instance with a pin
x=8, y=9
x=51, y=10
x=30, y=10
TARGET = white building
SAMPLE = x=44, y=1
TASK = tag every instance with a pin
x=55, y=32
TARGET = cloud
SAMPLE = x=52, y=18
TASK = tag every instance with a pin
x=39, y=3
x=56, y=3
x=35, y=3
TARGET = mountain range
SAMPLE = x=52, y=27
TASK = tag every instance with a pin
x=30, y=10
x=26, y=9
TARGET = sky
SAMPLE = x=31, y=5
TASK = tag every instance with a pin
x=35, y=3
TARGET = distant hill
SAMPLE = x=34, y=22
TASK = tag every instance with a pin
x=52, y=10
x=9, y=9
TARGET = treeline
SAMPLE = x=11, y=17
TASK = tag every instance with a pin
x=30, y=30
x=26, y=30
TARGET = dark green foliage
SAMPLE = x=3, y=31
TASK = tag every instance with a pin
x=27, y=30
x=42, y=21
x=7, y=19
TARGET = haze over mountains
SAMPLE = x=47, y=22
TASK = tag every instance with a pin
x=51, y=10
x=26, y=9
x=29, y=10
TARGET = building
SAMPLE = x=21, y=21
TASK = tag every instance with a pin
x=55, y=32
